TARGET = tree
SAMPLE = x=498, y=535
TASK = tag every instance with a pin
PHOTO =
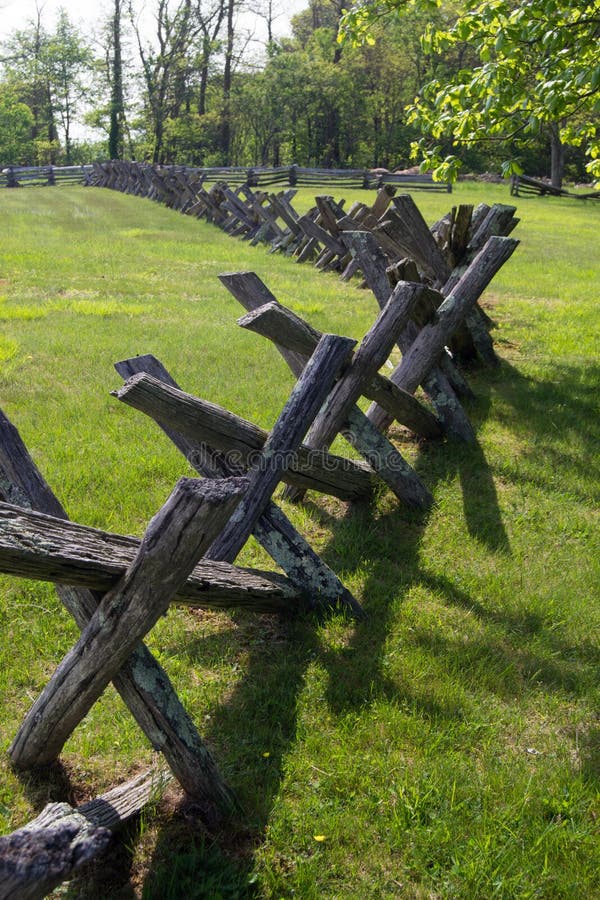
x=47, y=71
x=165, y=66
x=67, y=59
x=537, y=70
x=24, y=63
x=16, y=121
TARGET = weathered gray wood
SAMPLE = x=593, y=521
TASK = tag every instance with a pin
x=284, y=211
x=291, y=333
x=382, y=200
x=372, y=353
x=317, y=233
x=430, y=342
x=328, y=217
x=242, y=440
x=47, y=548
x=20, y=480
x=317, y=584
x=406, y=270
x=49, y=849
x=307, y=397
x=174, y=541
x=482, y=339
x=251, y=292
x=473, y=338
x=142, y=683
x=385, y=459
x=340, y=412
x=500, y=221
x=375, y=447
x=37, y=858
x=115, y=807
x=405, y=224
x=445, y=402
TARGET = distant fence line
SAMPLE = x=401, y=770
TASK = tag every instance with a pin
x=42, y=176
x=254, y=176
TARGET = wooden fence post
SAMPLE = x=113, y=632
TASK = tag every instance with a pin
x=318, y=584
x=141, y=682
x=288, y=331
x=374, y=266
x=49, y=849
x=47, y=548
x=175, y=539
x=208, y=423
x=306, y=399
x=375, y=447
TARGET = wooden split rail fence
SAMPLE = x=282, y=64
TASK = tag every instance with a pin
x=38, y=176
x=117, y=587
x=525, y=185
x=257, y=176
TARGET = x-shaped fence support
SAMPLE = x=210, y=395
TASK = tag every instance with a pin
x=340, y=412
x=199, y=515
x=273, y=530
x=423, y=348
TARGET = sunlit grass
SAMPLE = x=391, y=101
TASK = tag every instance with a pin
x=448, y=746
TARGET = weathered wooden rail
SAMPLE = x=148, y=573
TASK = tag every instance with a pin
x=252, y=176
x=427, y=283
x=525, y=185
x=38, y=176
x=440, y=253
x=40, y=856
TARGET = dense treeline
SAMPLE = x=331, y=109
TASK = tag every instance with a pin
x=188, y=84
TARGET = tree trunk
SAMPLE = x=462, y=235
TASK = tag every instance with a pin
x=227, y=79
x=117, y=106
x=557, y=162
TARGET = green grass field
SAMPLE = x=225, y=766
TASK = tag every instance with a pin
x=449, y=746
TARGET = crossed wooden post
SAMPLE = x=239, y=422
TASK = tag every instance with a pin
x=462, y=298
x=141, y=681
x=296, y=342
x=317, y=584
x=196, y=515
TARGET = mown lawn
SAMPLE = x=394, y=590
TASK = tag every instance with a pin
x=449, y=746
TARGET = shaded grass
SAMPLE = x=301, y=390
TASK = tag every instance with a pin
x=446, y=747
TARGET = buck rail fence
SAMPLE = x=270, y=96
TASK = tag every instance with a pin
x=42, y=176
x=254, y=176
x=524, y=185
x=117, y=587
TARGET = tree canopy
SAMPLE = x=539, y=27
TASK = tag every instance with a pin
x=187, y=81
x=537, y=68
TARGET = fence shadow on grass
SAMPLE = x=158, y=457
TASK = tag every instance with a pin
x=255, y=726
x=503, y=653
x=252, y=730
